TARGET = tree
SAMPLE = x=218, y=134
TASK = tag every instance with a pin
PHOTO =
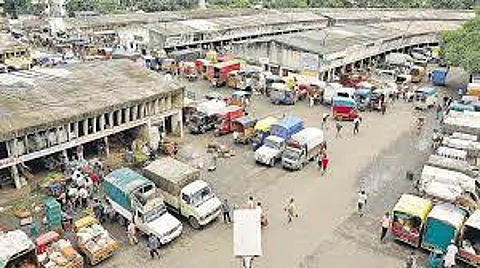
x=461, y=47
x=16, y=7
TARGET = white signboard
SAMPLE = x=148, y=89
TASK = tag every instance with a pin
x=247, y=233
x=308, y=61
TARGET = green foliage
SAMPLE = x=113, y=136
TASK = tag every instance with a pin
x=17, y=7
x=460, y=47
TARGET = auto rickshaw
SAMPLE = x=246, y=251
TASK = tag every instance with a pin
x=189, y=71
x=281, y=94
x=244, y=129
x=469, y=242
x=168, y=65
x=443, y=225
x=408, y=217
x=234, y=79
x=262, y=130
x=240, y=98
x=417, y=73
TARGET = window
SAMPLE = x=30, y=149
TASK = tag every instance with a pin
x=186, y=198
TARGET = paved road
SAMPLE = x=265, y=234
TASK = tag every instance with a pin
x=328, y=231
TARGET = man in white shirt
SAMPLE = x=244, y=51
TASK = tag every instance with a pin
x=83, y=195
x=449, y=259
x=362, y=201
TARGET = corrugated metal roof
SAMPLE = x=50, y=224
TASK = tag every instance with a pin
x=127, y=179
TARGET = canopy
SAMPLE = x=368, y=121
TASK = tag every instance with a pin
x=413, y=205
x=474, y=220
x=448, y=213
x=264, y=124
x=246, y=121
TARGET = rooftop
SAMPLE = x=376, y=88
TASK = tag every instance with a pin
x=339, y=38
x=43, y=98
x=234, y=22
x=7, y=42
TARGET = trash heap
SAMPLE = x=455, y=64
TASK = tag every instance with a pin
x=60, y=254
x=95, y=238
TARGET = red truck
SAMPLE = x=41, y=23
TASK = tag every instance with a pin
x=226, y=118
x=218, y=73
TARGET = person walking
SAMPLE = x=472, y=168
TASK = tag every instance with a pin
x=324, y=163
x=226, y=211
x=386, y=221
x=449, y=259
x=132, y=233
x=247, y=262
x=411, y=260
x=291, y=209
x=250, y=203
x=324, y=120
x=356, y=125
x=362, y=202
x=339, y=127
x=153, y=246
x=83, y=195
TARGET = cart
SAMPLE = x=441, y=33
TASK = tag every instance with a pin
x=98, y=254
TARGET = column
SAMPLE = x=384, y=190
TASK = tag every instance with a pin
x=13, y=169
x=94, y=124
x=107, y=149
x=127, y=115
x=135, y=113
x=75, y=130
x=102, y=122
x=85, y=127
x=110, y=119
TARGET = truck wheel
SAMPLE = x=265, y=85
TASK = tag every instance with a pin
x=193, y=222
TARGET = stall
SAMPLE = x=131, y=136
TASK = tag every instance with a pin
x=55, y=252
x=94, y=241
x=408, y=217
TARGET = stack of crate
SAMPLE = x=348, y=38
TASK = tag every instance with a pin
x=54, y=214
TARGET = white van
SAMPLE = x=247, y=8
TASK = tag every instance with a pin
x=330, y=92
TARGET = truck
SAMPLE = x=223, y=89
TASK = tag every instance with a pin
x=465, y=122
x=136, y=198
x=205, y=116
x=303, y=147
x=185, y=193
x=226, y=118
x=273, y=146
x=453, y=164
x=218, y=73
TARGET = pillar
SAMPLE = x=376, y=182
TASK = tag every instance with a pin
x=75, y=130
x=135, y=112
x=85, y=127
x=102, y=122
x=13, y=169
x=127, y=115
x=110, y=119
x=94, y=124
x=107, y=149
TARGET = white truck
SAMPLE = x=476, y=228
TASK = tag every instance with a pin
x=446, y=185
x=136, y=198
x=184, y=192
x=453, y=164
x=302, y=147
x=271, y=150
x=472, y=147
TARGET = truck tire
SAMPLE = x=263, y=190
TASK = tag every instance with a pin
x=121, y=220
x=194, y=223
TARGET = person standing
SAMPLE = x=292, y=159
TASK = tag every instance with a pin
x=132, y=233
x=250, y=203
x=247, y=262
x=312, y=101
x=324, y=163
x=291, y=210
x=339, y=127
x=356, y=125
x=386, y=221
x=362, y=202
x=83, y=195
x=153, y=246
x=411, y=260
x=449, y=259
x=226, y=211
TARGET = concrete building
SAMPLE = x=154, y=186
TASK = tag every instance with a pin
x=336, y=49
x=217, y=32
x=46, y=111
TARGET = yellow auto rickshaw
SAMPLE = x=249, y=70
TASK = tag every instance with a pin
x=408, y=217
x=234, y=79
x=417, y=73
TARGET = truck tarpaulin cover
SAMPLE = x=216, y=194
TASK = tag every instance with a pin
x=247, y=235
x=13, y=242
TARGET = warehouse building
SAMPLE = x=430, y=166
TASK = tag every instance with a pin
x=337, y=49
x=46, y=111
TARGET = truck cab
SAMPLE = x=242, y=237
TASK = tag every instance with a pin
x=270, y=151
x=136, y=198
x=184, y=192
x=302, y=147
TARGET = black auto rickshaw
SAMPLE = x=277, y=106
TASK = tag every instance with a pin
x=243, y=129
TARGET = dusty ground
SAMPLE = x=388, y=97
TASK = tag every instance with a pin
x=329, y=232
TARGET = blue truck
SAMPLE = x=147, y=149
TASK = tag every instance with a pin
x=271, y=151
x=136, y=198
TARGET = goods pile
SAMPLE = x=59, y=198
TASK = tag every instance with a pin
x=60, y=254
x=95, y=238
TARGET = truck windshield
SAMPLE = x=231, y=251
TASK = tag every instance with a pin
x=291, y=154
x=272, y=144
x=202, y=196
x=155, y=213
